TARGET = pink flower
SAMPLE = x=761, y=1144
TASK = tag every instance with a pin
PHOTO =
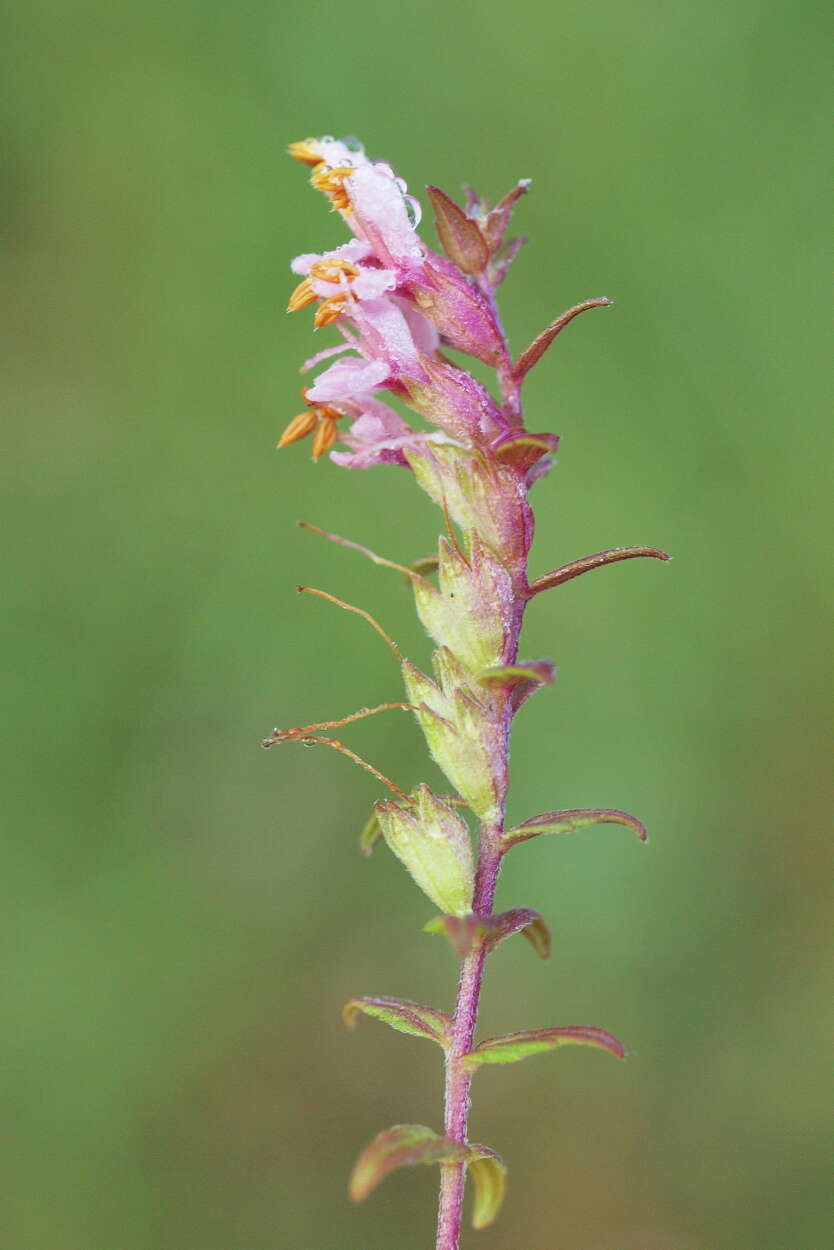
x=378, y=436
x=396, y=302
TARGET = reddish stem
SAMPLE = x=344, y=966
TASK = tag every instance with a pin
x=458, y=1077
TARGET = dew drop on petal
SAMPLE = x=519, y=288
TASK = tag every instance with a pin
x=414, y=210
x=354, y=145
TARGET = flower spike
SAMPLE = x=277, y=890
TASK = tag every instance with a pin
x=396, y=309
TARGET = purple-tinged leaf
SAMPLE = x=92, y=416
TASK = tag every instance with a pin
x=597, y=561
x=405, y=1145
x=568, y=821
x=532, y=354
x=494, y=225
x=521, y=920
x=460, y=236
x=511, y=1047
x=520, y=680
x=402, y=1015
x=397, y=1147
x=503, y=258
x=462, y=931
x=523, y=452
x=489, y=1172
x=423, y=565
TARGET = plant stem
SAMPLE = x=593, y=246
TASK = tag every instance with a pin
x=458, y=1077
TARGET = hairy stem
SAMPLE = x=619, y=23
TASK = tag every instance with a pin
x=458, y=1078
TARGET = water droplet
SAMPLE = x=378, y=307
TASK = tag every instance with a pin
x=363, y=711
x=307, y=742
x=354, y=145
x=414, y=210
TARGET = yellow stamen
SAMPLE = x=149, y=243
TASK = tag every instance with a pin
x=331, y=270
x=301, y=296
x=324, y=437
x=308, y=151
x=331, y=182
x=328, y=311
x=298, y=428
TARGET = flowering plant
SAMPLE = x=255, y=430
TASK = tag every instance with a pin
x=398, y=305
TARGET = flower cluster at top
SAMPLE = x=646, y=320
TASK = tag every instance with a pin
x=397, y=304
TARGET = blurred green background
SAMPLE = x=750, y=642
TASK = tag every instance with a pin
x=185, y=913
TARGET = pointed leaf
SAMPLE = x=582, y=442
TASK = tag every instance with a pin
x=402, y=1015
x=597, y=561
x=520, y=920
x=370, y=834
x=407, y=1144
x=503, y=258
x=511, y=1047
x=397, y=1147
x=460, y=236
x=489, y=1172
x=498, y=218
x=520, y=680
x=540, y=344
x=523, y=451
x=421, y=566
x=462, y=931
x=568, y=821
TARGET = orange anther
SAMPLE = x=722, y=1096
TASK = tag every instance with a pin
x=331, y=270
x=298, y=428
x=308, y=151
x=331, y=182
x=328, y=311
x=301, y=296
x=324, y=437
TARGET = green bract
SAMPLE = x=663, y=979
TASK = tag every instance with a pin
x=433, y=843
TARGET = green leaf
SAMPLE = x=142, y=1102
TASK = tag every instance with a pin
x=370, y=835
x=400, y=1146
x=510, y=1047
x=433, y=843
x=489, y=1172
x=568, y=821
x=460, y=236
x=405, y=1145
x=402, y=1015
x=422, y=566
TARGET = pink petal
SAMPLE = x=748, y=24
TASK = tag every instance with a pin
x=324, y=355
x=380, y=216
x=346, y=379
x=354, y=250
